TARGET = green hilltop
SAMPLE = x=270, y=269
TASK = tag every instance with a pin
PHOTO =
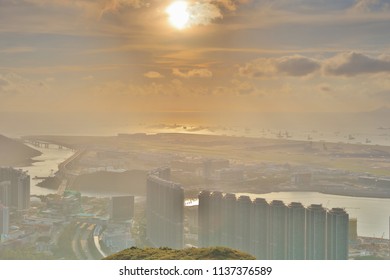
x=212, y=253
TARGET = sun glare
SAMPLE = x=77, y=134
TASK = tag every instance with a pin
x=178, y=14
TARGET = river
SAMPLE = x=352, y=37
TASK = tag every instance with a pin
x=46, y=165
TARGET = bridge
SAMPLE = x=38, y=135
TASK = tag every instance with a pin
x=42, y=144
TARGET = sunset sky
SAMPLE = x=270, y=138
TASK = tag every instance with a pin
x=227, y=56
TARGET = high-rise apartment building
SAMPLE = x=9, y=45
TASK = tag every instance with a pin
x=337, y=234
x=272, y=230
x=228, y=220
x=19, y=190
x=164, y=210
x=315, y=232
x=296, y=220
x=4, y=220
x=5, y=193
x=260, y=229
x=204, y=217
x=215, y=213
x=243, y=223
x=277, y=230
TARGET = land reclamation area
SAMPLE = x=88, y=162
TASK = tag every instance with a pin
x=109, y=163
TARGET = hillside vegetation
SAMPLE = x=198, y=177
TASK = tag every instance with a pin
x=213, y=253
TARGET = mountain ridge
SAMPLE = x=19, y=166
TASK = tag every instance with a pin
x=14, y=153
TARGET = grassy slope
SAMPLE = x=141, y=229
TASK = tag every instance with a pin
x=213, y=253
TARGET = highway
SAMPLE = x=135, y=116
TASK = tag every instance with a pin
x=76, y=242
x=86, y=234
x=96, y=234
x=85, y=242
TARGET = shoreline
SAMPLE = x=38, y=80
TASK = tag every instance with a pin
x=341, y=156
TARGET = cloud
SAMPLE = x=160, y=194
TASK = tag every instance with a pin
x=94, y=7
x=199, y=73
x=243, y=87
x=15, y=84
x=230, y=5
x=153, y=75
x=365, y=6
x=3, y=82
x=354, y=63
x=114, y=5
x=206, y=11
x=347, y=64
x=88, y=78
x=295, y=65
x=203, y=13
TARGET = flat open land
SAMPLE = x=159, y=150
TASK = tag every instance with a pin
x=370, y=159
x=145, y=152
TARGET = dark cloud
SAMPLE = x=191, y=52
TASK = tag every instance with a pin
x=344, y=64
x=296, y=65
x=353, y=64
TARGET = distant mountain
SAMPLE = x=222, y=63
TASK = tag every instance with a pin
x=14, y=153
x=212, y=253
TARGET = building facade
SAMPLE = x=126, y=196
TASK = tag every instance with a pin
x=337, y=234
x=315, y=232
x=19, y=188
x=204, y=217
x=273, y=230
x=296, y=234
x=5, y=193
x=164, y=210
x=122, y=208
x=277, y=231
x=243, y=223
x=4, y=221
x=260, y=229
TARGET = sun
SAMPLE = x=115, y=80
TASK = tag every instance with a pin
x=178, y=14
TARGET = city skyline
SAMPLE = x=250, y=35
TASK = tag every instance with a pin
x=126, y=56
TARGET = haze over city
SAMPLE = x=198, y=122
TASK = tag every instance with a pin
x=256, y=125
